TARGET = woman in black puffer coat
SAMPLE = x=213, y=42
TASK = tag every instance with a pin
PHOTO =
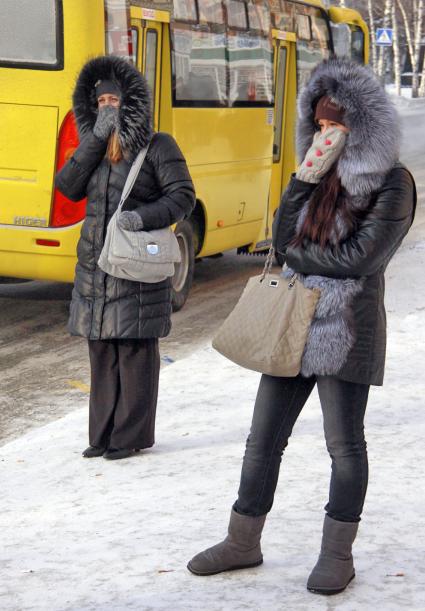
x=121, y=319
x=341, y=219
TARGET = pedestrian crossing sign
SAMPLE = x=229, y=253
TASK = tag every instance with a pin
x=384, y=37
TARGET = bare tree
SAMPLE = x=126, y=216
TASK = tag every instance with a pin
x=418, y=18
x=386, y=21
x=407, y=30
x=372, y=35
x=396, y=50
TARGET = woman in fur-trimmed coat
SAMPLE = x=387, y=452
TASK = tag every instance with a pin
x=122, y=320
x=341, y=219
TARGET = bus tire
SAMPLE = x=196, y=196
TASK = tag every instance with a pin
x=183, y=275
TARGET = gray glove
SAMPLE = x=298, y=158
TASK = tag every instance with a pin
x=107, y=121
x=130, y=221
x=322, y=154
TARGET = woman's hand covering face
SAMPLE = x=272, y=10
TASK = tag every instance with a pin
x=322, y=154
x=107, y=121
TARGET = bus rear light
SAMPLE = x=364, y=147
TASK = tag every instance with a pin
x=47, y=242
x=64, y=211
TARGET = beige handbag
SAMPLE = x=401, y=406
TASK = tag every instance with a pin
x=268, y=328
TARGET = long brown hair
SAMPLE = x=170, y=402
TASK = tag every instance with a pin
x=114, y=151
x=328, y=198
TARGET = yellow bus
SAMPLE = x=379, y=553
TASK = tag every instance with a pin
x=224, y=76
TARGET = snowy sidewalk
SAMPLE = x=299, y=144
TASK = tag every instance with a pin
x=90, y=534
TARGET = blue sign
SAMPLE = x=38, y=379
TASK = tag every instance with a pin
x=384, y=37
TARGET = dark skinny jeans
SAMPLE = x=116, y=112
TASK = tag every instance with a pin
x=277, y=407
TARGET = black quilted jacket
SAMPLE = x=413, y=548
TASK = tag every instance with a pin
x=105, y=307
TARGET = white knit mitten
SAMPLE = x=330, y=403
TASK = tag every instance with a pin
x=322, y=154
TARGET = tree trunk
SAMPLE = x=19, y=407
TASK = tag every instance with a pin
x=407, y=30
x=417, y=46
x=372, y=35
x=386, y=21
x=396, y=49
x=422, y=85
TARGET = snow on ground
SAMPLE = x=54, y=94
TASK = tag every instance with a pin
x=82, y=534
x=405, y=92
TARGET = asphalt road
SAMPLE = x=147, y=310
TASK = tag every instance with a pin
x=44, y=373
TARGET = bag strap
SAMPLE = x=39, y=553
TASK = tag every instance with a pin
x=268, y=268
x=132, y=175
x=268, y=264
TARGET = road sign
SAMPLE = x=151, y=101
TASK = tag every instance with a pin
x=384, y=37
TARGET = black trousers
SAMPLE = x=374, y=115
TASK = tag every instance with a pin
x=123, y=393
x=277, y=407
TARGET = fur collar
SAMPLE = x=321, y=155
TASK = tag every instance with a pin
x=372, y=146
x=135, y=116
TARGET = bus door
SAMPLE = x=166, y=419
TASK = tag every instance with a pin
x=147, y=52
x=284, y=116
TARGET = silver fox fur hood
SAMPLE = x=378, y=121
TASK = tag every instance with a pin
x=135, y=115
x=372, y=146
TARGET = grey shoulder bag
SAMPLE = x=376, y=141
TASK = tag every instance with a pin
x=141, y=256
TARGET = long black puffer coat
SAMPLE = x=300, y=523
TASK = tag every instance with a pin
x=375, y=183
x=102, y=306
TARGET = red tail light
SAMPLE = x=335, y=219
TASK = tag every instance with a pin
x=64, y=211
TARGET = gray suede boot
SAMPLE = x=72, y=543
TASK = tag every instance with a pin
x=239, y=550
x=334, y=569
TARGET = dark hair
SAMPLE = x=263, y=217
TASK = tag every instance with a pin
x=328, y=198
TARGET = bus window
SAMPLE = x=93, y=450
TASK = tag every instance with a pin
x=211, y=11
x=313, y=41
x=284, y=17
x=236, y=14
x=31, y=34
x=320, y=30
x=348, y=41
x=134, y=45
x=357, y=44
x=185, y=10
x=303, y=29
x=250, y=69
x=199, y=66
x=150, y=61
x=259, y=17
x=341, y=36
x=280, y=101
x=219, y=64
x=118, y=34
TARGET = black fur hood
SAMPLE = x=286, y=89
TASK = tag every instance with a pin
x=372, y=146
x=135, y=115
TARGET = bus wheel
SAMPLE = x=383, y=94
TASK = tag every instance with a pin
x=183, y=275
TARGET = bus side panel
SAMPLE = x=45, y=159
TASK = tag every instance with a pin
x=229, y=155
x=42, y=99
